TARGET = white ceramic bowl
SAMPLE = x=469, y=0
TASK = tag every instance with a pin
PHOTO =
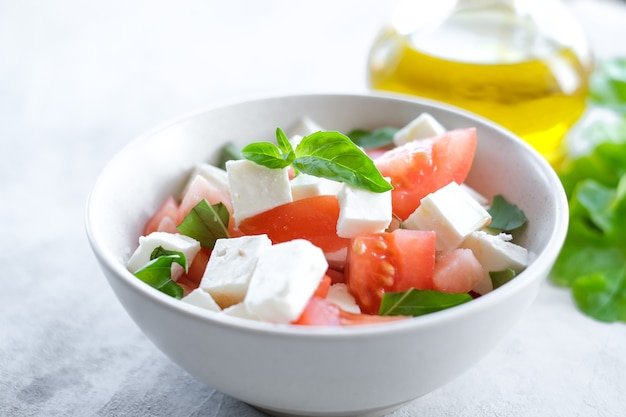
x=284, y=370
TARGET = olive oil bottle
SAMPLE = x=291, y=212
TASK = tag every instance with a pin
x=523, y=64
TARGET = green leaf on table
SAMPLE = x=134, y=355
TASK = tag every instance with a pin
x=607, y=84
x=158, y=272
x=505, y=216
x=602, y=295
x=419, y=302
x=376, y=138
x=206, y=223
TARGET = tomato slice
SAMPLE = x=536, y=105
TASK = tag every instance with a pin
x=390, y=261
x=313, y=219
x=322, y=312
x=421, y=167
x=165, y=219
x=458, y=271
x=191, y=280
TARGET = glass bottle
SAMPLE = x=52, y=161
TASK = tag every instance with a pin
x=524, y=64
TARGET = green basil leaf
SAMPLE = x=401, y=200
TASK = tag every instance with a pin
x=229, y=152
x=377, y=138
x=206, y=223
x=266, y=154
x=284, y=145
x=158, y=272
x=499, y=278
x=419, y=302
x=505, y=216
x=334, y=156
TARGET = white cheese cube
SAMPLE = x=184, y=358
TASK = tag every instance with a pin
x=230, y=267
x=169, y=241
x=284, y=280
x=239, y=310
x=481, y=199
x=214, y=175
x=255, y=188
x=200, y=298
x=362, y=211
x=496, y=252
x=339, y=294
x=337, y=259
x=303, y=127
x=451, y=213
x=304, y=186
x=423, y=126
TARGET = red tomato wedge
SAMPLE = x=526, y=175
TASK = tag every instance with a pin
x=389, y=262
x=313, y=219
x=322, y=312
x=165, y=219
x=421, y=167
x=191, y=280
x=458, y=271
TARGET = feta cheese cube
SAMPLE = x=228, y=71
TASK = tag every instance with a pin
x=230, y=267
x=496, y=252
x=303, y=127
x=362, y=211
x=169, y=241
x=239, y=310
x=202, y=299
x=216, y=176
x=481, y=199
x=255, y=188
x=339, y=294
x=451, y=213
x=422, y=127
x=304, y=186
x=286, y=276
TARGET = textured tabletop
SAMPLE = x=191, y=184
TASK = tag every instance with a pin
x=80, y=79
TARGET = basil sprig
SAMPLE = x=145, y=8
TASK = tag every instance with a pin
x=158, y=272
x=415, y=302
x=329, y=155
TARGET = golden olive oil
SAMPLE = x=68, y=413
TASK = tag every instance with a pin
x=526, y=84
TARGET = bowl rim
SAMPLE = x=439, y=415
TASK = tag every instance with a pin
x=527, y=277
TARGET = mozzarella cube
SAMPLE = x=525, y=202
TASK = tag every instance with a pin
x=168, y=241
x=451, y=213
x=202, y=299
x=480, y=199
x=239, y=310
x=230, y=267
x=303, y=127
x=255, y=188
x=304, y=186
x=422, y=127
x=362, y=211
x=337, y=259
x=496, y=252
x=284, y=280
x=216, y=176
x=339, y=294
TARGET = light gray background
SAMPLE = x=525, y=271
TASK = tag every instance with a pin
x=80, y=79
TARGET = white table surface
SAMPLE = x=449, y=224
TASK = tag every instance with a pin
x=80, y=79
